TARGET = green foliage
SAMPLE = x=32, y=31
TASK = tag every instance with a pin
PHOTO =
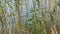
x=0, y=10
x=31, y=24
x=9, y=5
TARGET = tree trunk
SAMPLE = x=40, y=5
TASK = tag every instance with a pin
x=18, y=15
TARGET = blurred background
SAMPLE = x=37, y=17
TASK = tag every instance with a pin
x=29, y=16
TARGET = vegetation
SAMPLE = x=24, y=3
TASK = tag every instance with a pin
x=29, y=16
